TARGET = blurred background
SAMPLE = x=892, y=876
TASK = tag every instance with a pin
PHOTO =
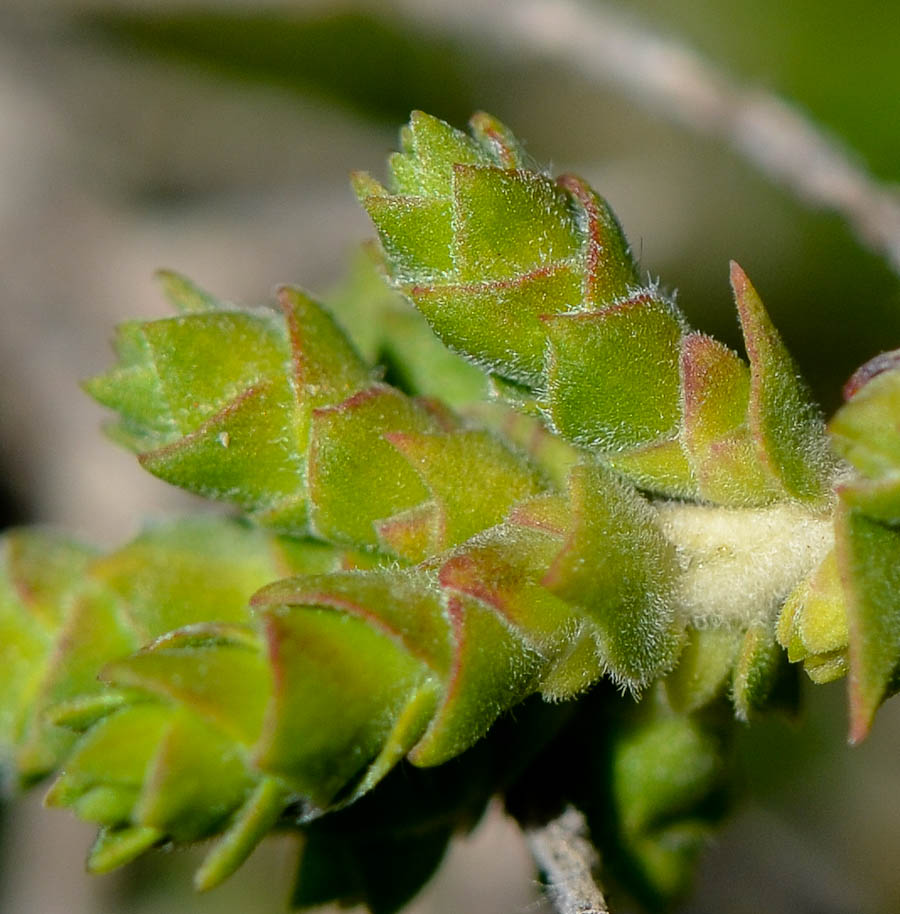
x=216, y=139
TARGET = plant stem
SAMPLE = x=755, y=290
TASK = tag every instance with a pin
x=567, y=859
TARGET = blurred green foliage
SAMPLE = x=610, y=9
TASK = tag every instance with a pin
x=374, y=65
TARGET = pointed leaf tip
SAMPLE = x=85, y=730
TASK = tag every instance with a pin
x=788, y=431
x=184, y=295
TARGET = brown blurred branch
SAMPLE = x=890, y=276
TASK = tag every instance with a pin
x=567, y=859
x=666, y=76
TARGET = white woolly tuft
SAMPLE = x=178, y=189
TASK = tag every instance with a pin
x=740, y=564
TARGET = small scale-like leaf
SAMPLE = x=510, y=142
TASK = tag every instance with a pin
x=494, y=668
x=185, y=295
x=115, y=847
x=250, y=824
x=786, y=427
x=473, y=476
x=618, y=567
x=869, y=561
x=509, y=223
x=226, y=683
x=761, y=676
x=340, y=684
x=717, y=436
x=703, y=668
x=610, y=273
x=497, y=322
x=196, y=778
x=356, y=476
x=613, y=378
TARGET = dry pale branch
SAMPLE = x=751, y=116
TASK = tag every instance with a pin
x=567, y=859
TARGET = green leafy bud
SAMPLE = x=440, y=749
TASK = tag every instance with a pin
x=635, y=502
x=656, y=785
x=220, y=401
x=812, y=626
x=300, y=436
x=155, y=745
x=532, y=279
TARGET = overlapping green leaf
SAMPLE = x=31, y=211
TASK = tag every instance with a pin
x=637, y=501
x=532, y=278
x=865, y=433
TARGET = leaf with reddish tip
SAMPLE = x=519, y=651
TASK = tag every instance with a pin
x=508, y=223
x=786, y=427
x=502, y=568
x=884, y=361
x=609, y=271
x=494, y=668
x=356, y=476
x=340, y=686
x=497, y=322
x=474, y=478
x=498, y=140
x=716, y=385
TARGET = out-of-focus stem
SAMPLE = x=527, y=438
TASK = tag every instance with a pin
x=567, y=859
